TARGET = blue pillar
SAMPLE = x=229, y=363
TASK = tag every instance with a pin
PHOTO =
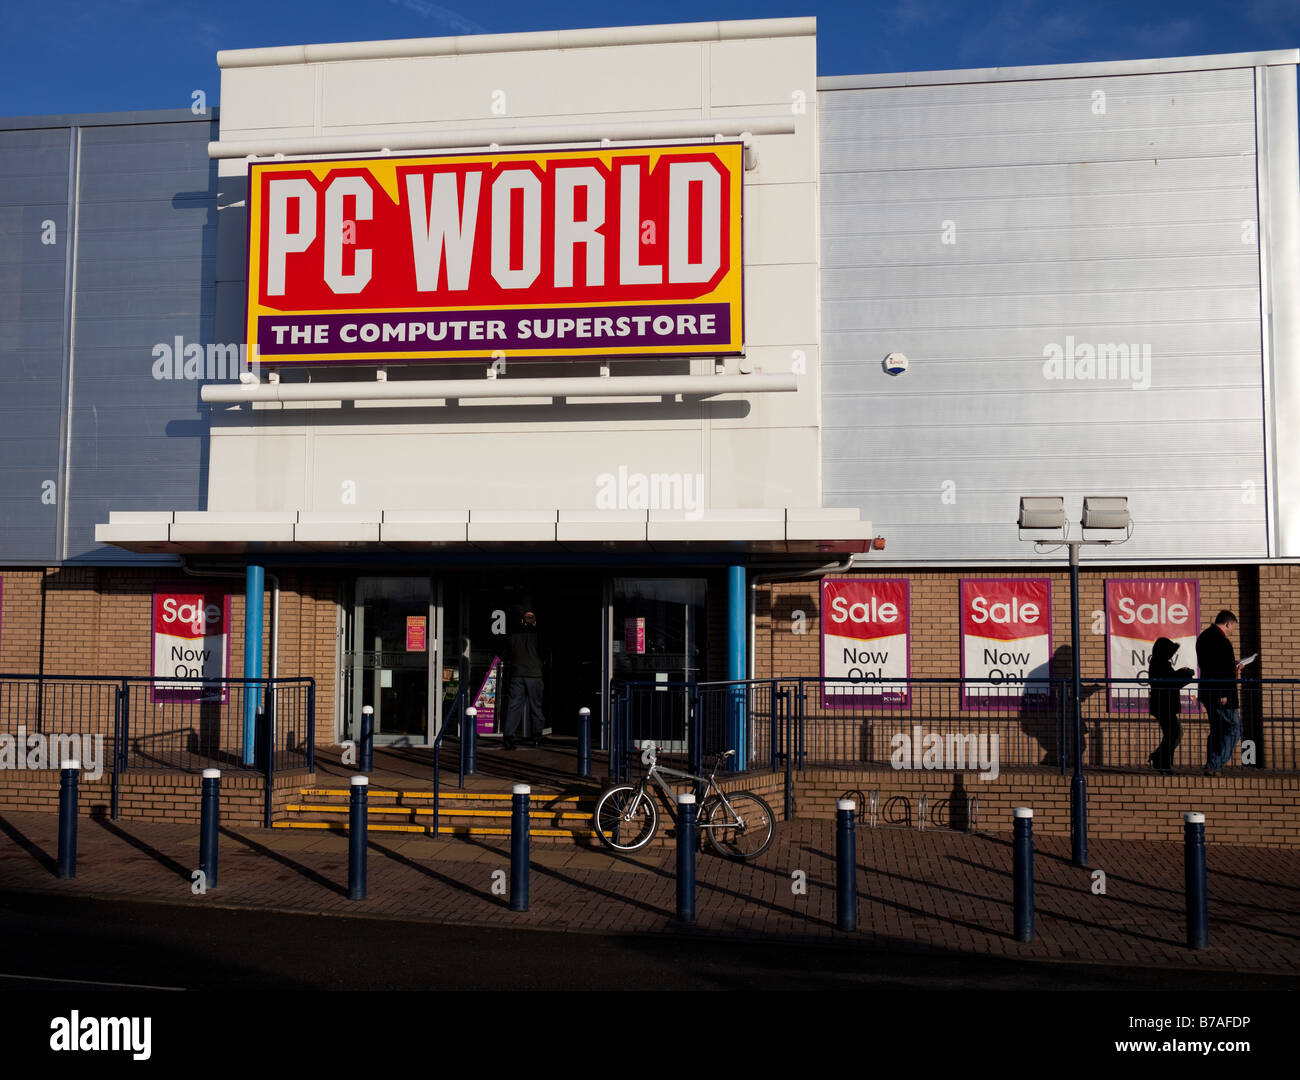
x=737, y=633
x=254, y=585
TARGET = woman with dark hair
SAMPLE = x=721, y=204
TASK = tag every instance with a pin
x=1166, y=701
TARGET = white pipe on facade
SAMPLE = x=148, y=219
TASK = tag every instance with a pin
x=427, y=389
x=737, y=30
x=625, y=131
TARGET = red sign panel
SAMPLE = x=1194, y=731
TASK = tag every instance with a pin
x=1006, y=629
x=1137, y=613
x=865, y=626
x=191, y=640
x=416, y=633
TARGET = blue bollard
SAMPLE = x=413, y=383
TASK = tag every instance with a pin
x=584, y=741
x=686, y=811
x=469, y=740
x=367, y=739
x=1198, y=911
x=357, y=827
x=1023, y=842
x=209, y=825
x=519, y=848
x=846, y=866
x=71, y=771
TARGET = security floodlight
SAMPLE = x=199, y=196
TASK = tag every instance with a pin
x=1039, y=514
x=1042, y=512
x=1106, y=512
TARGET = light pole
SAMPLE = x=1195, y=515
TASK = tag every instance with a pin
x=1046, y=514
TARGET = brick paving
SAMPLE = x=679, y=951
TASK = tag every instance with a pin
x=917, y=890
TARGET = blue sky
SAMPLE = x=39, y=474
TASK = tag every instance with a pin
x=63, y=56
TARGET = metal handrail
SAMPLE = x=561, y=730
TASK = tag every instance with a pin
x=110, y=708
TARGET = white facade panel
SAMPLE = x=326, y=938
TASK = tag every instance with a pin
x=531, y=453
x=415, y=469
x=740, y=72
x=269, y=100
x=540, y=86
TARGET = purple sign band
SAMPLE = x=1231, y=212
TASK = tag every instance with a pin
x=558, y=330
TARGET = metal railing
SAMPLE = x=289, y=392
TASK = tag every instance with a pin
x=1120, y=733
x=941, y=724
x=838, y=722
x=457, y=709
x=138, y=723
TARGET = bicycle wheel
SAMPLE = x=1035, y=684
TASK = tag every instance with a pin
x=744, y=831
x=625, y=818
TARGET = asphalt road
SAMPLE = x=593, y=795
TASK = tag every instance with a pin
x=80, y=942
x=69, y=958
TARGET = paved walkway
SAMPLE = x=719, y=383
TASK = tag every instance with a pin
x=916, y=889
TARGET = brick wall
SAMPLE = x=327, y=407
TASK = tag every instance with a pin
x=97, y=621
x=161, y=797
x=1248, y=808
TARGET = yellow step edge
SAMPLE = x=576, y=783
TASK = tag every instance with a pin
x=460, y=830
x=310, y=808
x=381, y=794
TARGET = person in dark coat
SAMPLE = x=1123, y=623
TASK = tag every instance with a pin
x=524, y=685
x=1166, y=702
x=1217, y=690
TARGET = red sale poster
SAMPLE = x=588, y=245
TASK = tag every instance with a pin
x=865, y=626
x=1139, y=611
x=1006, y=631
x=191, y=640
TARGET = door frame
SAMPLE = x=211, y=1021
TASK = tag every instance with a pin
x=432, y=652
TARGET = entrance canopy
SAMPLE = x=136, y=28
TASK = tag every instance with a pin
x=787, y=530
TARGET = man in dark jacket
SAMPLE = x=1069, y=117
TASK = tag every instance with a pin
x=524, y=675
x=1217, y=690
x=1166, y=702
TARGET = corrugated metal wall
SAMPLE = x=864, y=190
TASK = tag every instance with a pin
x=998, y=233
x=139, y=250
x=33, y=263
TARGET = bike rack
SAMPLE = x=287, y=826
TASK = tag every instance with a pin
x=974, y=813
x=922, y=808
x=873, y=806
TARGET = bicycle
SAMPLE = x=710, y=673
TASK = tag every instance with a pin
x=739, y=825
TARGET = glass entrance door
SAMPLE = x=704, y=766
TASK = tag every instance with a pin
x=389, y=656
x=658, y=635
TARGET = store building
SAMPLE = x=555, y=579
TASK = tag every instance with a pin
x=840, y=310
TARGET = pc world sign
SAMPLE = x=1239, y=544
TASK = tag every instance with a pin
x=628, y=251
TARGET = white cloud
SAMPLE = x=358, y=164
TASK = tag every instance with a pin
x=453, y=20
